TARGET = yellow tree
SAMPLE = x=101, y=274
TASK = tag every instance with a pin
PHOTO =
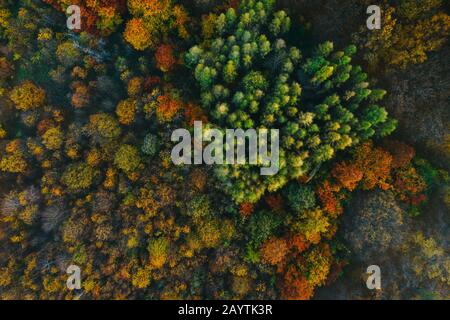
x=126, y=110
x=27, y=96
x=409, y=31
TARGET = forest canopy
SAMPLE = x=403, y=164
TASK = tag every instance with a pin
x=87, y=178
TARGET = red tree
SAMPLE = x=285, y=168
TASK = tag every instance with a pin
x=165, y=59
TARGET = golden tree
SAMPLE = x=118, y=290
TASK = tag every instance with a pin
x=27, y=96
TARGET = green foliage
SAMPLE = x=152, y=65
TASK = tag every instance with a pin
x=312, y=224
x=261, y=226
x=252, y=255
x=151, y=145
x=300, y=197
x=80, y=255
x=252, y=78
x=427, y=171
x=198, y=207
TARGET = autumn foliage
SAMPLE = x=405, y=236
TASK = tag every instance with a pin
x=137, y=35
x=167, y=107
x=401, y=153
x=27, y=96
x=295, y=286
x=246, y=208
x=274, y=250
x=327, y=193
x=99, y=16
x=87, y=176
x=165, y=59
x=375, y=163
x=348, y=175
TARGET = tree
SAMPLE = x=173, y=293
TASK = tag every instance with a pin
x=73, y=230
x=298, y=242
x=167, y=107
x=135, y=86
x=158, y=250
x=6, y=69
x=261, y=226
x=241, y=286
x=152, y=19
x=375, y=163
x=347, y=174
x=78, y=176
x=312, y=224
x=126, y=110
x=27, y=96
x=68, y=54
x=425, y=36
x=295, y=286
x=409, y=185
x=193, y=112
x=165, y=59
x=53, y=138
x=246, y=208
x=137, y=35
x=199, y=207
x=127, y=158
x=209, y=231
x=409, y=32
x=98, y=17
x=275, y=202
x=103, y=125
x=151, y=145
x=429, y=260
x=318, y=262
x=3, y=132
x=109, y=18
x=377, y=224
x=80, y=97
x=327, y=193
x=300, y=197
x=274, y=250
x=401, y=153
x=14, y=163
x=52, y=217
x=141, y=279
